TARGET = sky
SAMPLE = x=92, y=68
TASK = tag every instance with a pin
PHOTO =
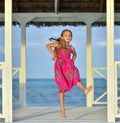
x=39, y=62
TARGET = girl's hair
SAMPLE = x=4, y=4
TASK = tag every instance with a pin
x=61, y=42
x=65, y=31
x=54, y=39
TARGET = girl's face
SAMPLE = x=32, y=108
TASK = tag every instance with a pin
x=67, y=36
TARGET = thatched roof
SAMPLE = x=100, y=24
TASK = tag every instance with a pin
x=48, y=24
x=62, y=6
x=58, y=6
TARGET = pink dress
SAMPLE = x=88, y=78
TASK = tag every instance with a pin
x=66, y=74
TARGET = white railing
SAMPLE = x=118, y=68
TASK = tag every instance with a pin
x=97, y=100
x=117, y=88
x=117, y=97
x=15, y=71
x=1, y=68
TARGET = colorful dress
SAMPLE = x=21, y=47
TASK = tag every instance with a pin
x=66, y=74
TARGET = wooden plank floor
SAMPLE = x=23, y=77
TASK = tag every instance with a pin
x=52, y=115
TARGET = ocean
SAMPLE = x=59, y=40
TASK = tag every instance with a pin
x=44, y=92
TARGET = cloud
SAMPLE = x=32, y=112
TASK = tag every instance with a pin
x=34, y=45
x=104, y=43
x=101, y=44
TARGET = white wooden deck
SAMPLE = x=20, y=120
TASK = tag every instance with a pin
x=52, y=115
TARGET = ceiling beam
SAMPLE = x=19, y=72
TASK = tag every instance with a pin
x=66, y=17
x=34, y=3
x=101, y=5
x=23, y=8
x=61, y=17
x=16, y=6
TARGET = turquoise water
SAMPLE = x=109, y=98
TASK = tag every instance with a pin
x=44, y=92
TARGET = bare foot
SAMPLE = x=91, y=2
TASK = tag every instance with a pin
x=63, y=115
x=88, y=89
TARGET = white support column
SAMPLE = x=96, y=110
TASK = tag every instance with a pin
x=7, y=71
x=89, y=78
x=110, y=62
x=23, y=66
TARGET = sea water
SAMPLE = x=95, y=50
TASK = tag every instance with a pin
x=44, y=92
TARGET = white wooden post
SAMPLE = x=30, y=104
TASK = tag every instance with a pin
x=7, y=71
x=23, y=66
x=110, y=62
x=89, y=80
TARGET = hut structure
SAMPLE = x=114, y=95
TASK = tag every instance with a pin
x=59, y=12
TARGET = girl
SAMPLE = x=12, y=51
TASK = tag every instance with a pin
x=66, y=74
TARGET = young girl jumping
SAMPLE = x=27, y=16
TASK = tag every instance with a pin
x=66, y=74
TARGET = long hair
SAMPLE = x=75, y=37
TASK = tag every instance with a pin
x=60, y=41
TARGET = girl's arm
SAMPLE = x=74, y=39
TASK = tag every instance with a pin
x=74, y=54
x=49, y=47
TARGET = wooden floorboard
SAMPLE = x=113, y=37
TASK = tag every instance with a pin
x=52, y=115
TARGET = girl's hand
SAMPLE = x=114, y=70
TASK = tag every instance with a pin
x=49, y=47
x=74, y=54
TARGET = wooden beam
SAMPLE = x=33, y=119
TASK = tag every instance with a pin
x=36, y=10
x=16, y=6
x=2, y=3
x=62, y=8
x=89, y=76
x=117, y=1
x=80, y=9
x=22, y=86
x=110, y=62
x=7, y=77
x=2, y=6
x=1, y=9
x=101, y=5
x=36, y=2
x=62, y=2
x=80, y=2
x=58, y=5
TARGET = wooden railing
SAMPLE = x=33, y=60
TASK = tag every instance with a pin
x=98, y=71
x=15, y=71
x=117, y=88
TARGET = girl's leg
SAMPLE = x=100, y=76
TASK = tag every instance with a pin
x=83, y=88
x=62, y=104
